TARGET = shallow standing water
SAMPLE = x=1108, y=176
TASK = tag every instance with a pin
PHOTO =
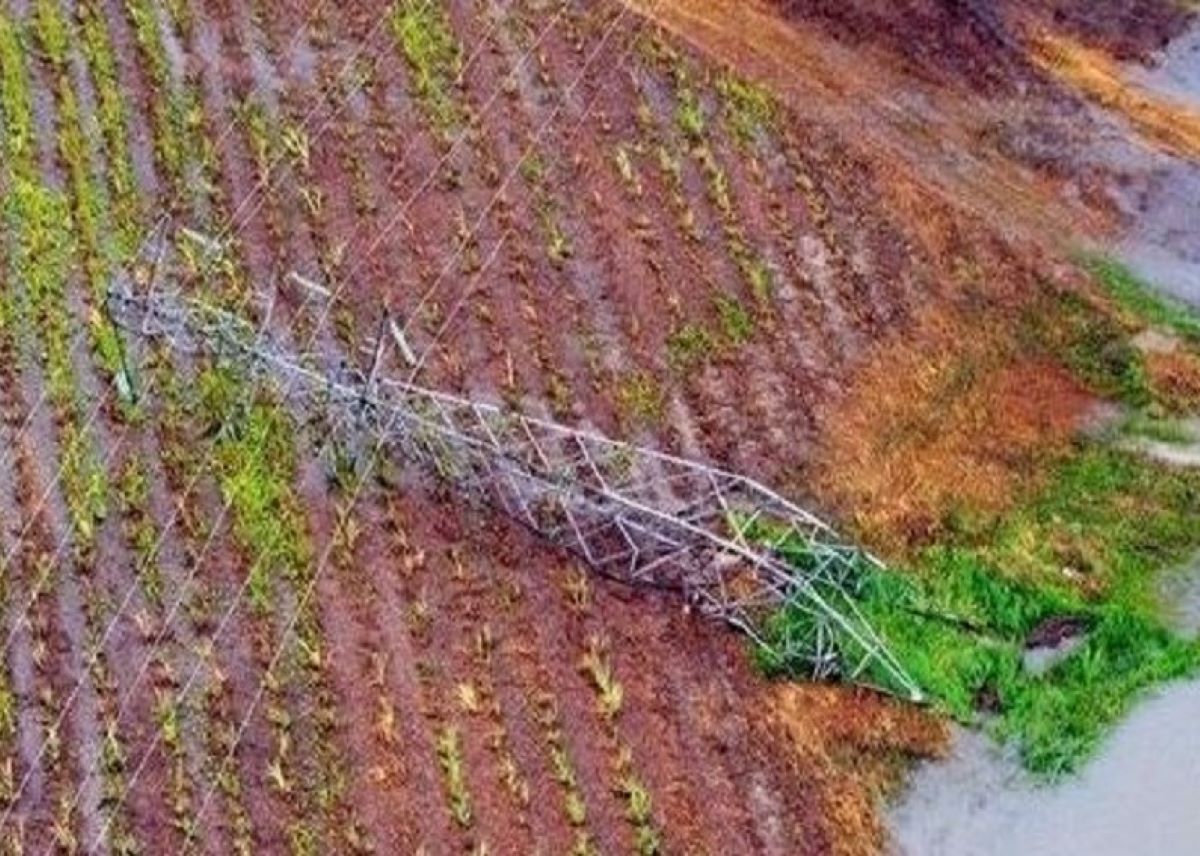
x=1141, y=794
x=1164, y=243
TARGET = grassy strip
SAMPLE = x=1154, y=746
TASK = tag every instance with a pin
x=1087, y=549
x=1138, y=297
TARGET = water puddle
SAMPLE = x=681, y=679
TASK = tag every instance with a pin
x=1137, y=796
x=1181, y=451
x=1177, y=74
x=1160, y=191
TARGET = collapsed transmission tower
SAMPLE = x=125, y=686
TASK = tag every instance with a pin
x=734, y=549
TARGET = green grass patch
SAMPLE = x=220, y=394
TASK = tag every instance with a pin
x=1172, y=431
x=1138, y=297
x=1087, y=548
x=1091, y=344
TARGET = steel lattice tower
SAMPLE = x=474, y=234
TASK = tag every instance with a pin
x=733, y=548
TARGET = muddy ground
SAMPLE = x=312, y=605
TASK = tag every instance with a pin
x=579, y=218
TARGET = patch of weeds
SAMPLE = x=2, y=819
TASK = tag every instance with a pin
x=1086, y=549
x=1138, y=297
x=640, y=398
x=749, y=109
x=1092, y=345
x=737, y=325
x=255, y=463
x=424, y=36
x=689, y=346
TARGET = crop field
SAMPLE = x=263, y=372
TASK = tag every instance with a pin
x=221, y=632
x=214, y=641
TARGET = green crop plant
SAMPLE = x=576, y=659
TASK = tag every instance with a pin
x=253, y=117
x=737, y=325
x=449, y=751
x=546, y=713
x=468, y=697
x=558, y=245
x=689, y=346
x=141, y=533
x=177, y=114
x=63, y=824
x=16, y=103
x=639, y=813
x=640, y=398
x=89, y=203
x=623, y=159
x=533, y=169
x=751, y=266
x=295, y=142
x=718, y=181
x=536, y=172
x=425, y=38
x=749, y=109
x=113, y=119
x=610, y=695
x=255, y=460
x=690, y=119
x=689, y=115
x=579, y=591
x=575, y=809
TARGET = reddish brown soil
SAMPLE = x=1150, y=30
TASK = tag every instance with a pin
x=943, y=448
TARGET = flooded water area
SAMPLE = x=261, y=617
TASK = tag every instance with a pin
x=1139, y=795
x=1161, y=193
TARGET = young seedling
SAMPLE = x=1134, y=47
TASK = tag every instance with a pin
x=449, y=750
